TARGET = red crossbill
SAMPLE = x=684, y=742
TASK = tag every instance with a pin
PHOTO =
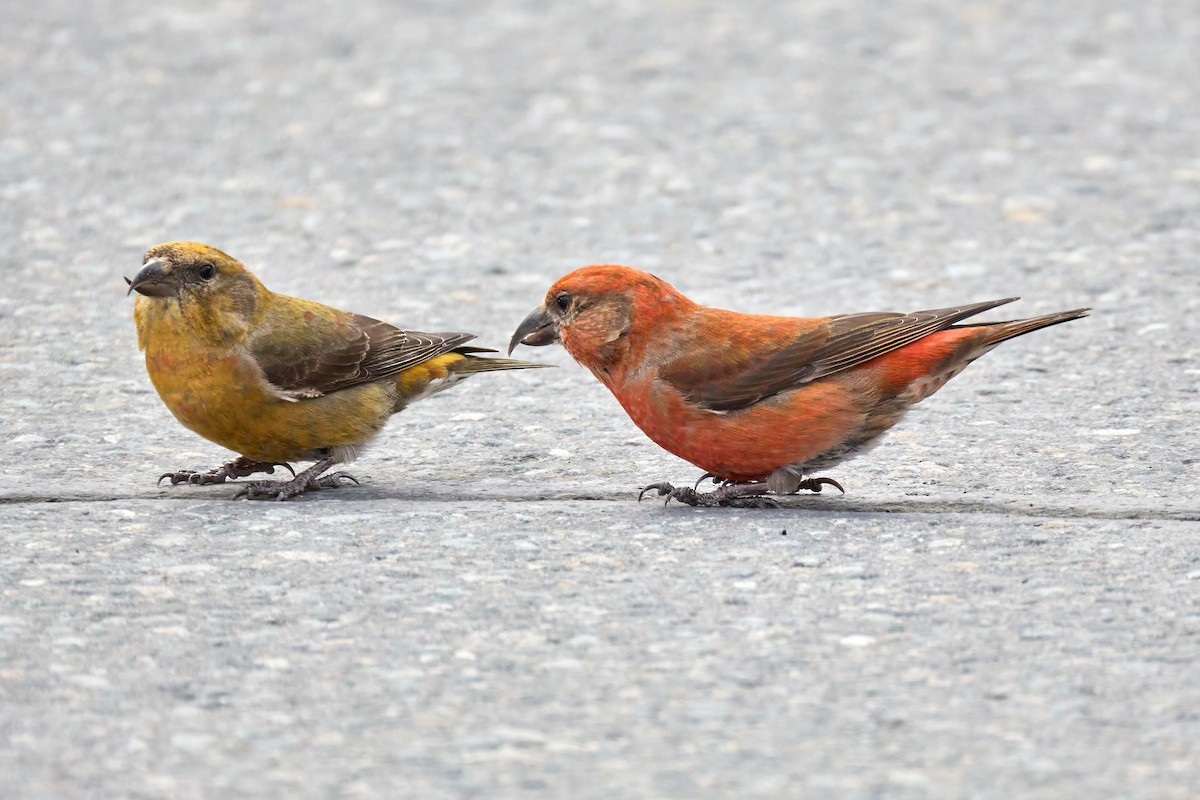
x=278, y=379
x=757, y=402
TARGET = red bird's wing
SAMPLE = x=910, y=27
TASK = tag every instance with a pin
x=348, y=351
x=838, y=343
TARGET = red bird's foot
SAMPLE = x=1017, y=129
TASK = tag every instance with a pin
x=716, y=479
x=310, y=478
x=730, y=495
x=814, y=484
x=240, y=467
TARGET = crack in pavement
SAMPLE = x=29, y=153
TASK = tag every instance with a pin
x=1013, y=506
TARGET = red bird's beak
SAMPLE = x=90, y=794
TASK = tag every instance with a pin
x=537, y=330
x=154, y=280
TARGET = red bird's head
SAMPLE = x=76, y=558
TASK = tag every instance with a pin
x=598, y=313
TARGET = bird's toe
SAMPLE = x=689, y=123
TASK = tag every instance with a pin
x=814, y=484
x=755, y=501
x=177, y=477
x=334, y=480
x=661, y=488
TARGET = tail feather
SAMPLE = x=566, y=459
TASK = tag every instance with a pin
x=441, y=372
x=1003, y=331
x=471, y=363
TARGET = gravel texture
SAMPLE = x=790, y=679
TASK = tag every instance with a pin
x=1005, y=604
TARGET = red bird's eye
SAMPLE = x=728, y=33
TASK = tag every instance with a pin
x=207, y=271
x=563, y=301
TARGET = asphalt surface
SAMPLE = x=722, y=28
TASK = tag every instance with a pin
x=1005, y=603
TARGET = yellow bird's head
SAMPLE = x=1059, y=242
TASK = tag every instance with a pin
x=174, y=269
x=191, y=289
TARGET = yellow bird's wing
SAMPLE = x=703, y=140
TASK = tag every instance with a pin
x=325, y=352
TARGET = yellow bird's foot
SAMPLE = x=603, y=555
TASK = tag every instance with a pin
x=240, y=467
x=732, y=495
x=310, y=478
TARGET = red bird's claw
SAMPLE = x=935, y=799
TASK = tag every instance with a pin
x=753, y=501
x=814, y=484
x=729, y=494
x=703, y=478
x=681, y=493
x=661, y=488
x=688, y=496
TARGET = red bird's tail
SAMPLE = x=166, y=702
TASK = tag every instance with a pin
x=921, y=368
x=1003, y=331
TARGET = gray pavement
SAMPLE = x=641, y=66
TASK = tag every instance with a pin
x=1005, y=603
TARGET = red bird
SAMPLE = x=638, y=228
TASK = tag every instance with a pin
x=757, y=402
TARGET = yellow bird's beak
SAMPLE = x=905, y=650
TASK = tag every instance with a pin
x=154, y=280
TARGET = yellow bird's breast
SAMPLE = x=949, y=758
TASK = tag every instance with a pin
x=220, y=393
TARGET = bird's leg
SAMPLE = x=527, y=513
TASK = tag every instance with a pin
x=814, y=484
x=240, y=467
x=730, y=493
x=310, y=478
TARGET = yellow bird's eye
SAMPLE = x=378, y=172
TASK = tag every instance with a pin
x=207, y=271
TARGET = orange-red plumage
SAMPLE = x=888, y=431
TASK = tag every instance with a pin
x=757, y=401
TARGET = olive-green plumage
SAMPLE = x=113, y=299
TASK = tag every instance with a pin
x=277, y=378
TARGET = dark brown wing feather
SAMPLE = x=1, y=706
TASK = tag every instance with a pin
x=349, y=352
x=840, y=343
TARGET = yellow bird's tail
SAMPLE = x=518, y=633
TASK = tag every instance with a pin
x=441, y=372
x=470, y=363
